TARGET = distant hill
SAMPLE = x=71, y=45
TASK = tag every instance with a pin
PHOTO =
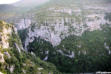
x=30, y=3
x=6, y=7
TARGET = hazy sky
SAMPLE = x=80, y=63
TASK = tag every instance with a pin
x=13, y=1
x=8, y=1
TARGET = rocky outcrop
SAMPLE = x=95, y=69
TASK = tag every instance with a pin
x=13, y=58
x=55, y=22
x=4, y=34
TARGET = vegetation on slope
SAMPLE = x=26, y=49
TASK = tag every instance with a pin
x=18, y=61
x=92, y=51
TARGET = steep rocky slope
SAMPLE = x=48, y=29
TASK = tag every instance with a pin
x=13, y=58
x=57, y=20
x=74, y=35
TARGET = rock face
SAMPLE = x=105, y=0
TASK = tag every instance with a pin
x=5, y=31
x=55, y=22
x=1, y=58
x=73, y=34
x=13, y=57
x=1, y=73
x=23, y=24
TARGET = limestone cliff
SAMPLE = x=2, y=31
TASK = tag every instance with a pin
x=13, y=58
